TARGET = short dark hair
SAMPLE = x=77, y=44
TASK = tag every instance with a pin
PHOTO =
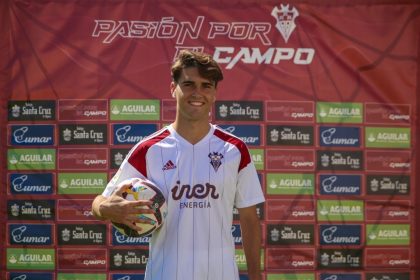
x=206, y=65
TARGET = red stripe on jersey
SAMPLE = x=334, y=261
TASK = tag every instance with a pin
x=239, y=144
x=138, y=157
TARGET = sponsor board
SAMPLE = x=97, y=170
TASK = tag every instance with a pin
x=127, y=276
x=128, y=259
x=81, y=183
x=260, y=212
x=31, y=159
x=340, y=276
x=82, y=110
x=88, y=259
x=135, y=109
x=31, y=135
x=30, y=276
x=290, y=210
x=290, y=160
x=75, y=210
x=31, y=209
x=257, y=156
x=34, y=110
x=339, y=136
x=388, y=161
x=388, y=258
x=290, y=276
x=241, y=260
x=82, y=159
x=81, y=234
x=388, y=234
x=289, y=111
x=168, y=110
x=290, y=184
x=30, y=259
x=239, y=110
x=333, y=112
x=340, y=160
x=31, y=183
x=130, y=134
x=385, y=210
x=81, y=276
x=30, y=234
x=340, y=210
x=289, y=135
x=117, y=157
x=289, y=234
x=388, y=184
x=387, y=113
x=290, y=258
x=83, y=134
x=340, y=184
x=340, y=258
x=340, y=234
x=250, y=134
x=388, y=137
x=236, y=234
x=123, y=240
x=388, y=276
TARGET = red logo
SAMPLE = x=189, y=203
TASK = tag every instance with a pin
x=169, y=165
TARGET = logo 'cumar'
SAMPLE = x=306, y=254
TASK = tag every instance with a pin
x=285, y=18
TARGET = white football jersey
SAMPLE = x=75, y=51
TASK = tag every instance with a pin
x=201, y=184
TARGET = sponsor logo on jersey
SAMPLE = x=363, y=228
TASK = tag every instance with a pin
x=31, y=135
x=330, y=112
x=340, y=210
x=287, y=135
x=135, y=109
x=331, y=184
x=290, y=183
x=126, y=259
x=198, y=191
x=31, y=159
x=41, y=110
x=30, y=234
x=121, y=239
x=31, y=209
x=340, y=160
x=239, y=110
x=79, y=234
x=31, y=259
x=281, y=234
x=87, y=134
x=344, y=258
x=82, y=110
x=250, y=134
x=387, y=137
x=336, y=234
x=130, y=134
x=31, y=183
x=337, y=136
x=87, y=259
x=169, y=165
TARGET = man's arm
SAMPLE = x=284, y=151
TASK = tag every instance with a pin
x=251, y=240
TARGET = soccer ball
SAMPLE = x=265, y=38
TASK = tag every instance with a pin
x=143, y=189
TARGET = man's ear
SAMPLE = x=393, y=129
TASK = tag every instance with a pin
x=173, y=87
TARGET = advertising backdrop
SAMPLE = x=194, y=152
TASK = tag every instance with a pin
x=324, y=94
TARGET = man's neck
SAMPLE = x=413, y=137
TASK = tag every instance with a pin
x=193, y=132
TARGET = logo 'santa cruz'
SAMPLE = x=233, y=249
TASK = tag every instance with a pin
x=199, y=191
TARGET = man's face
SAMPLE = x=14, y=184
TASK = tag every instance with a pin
x=195, y=95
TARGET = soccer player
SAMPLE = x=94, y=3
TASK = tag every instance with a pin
x=203, y=173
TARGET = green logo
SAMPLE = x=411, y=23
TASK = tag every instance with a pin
x=330, y=112
x=387, y=137
x=135, y=109
x=295, y=184
x=76, y=276
x=29, y=159
x=297, y=276
x=25, y=258
x=340, y=210
x=388, y=234
x=81, y=183
x=241, y=260
x=257, y=156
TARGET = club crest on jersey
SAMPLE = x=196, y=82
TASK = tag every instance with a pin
x=215, y=160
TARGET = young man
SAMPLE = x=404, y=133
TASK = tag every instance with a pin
x=209, y=172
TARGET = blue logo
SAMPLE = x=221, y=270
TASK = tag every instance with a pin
x=32, y=135
x=127, y=277
x=236, y=234
x=27, y=183
x=250, y=134
x=120, y=239
x=129, y=134
x=337, y=136
x=30, y=234
x=30, y=276
x=340, y=234
x=340, y=276
x=340, y=184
